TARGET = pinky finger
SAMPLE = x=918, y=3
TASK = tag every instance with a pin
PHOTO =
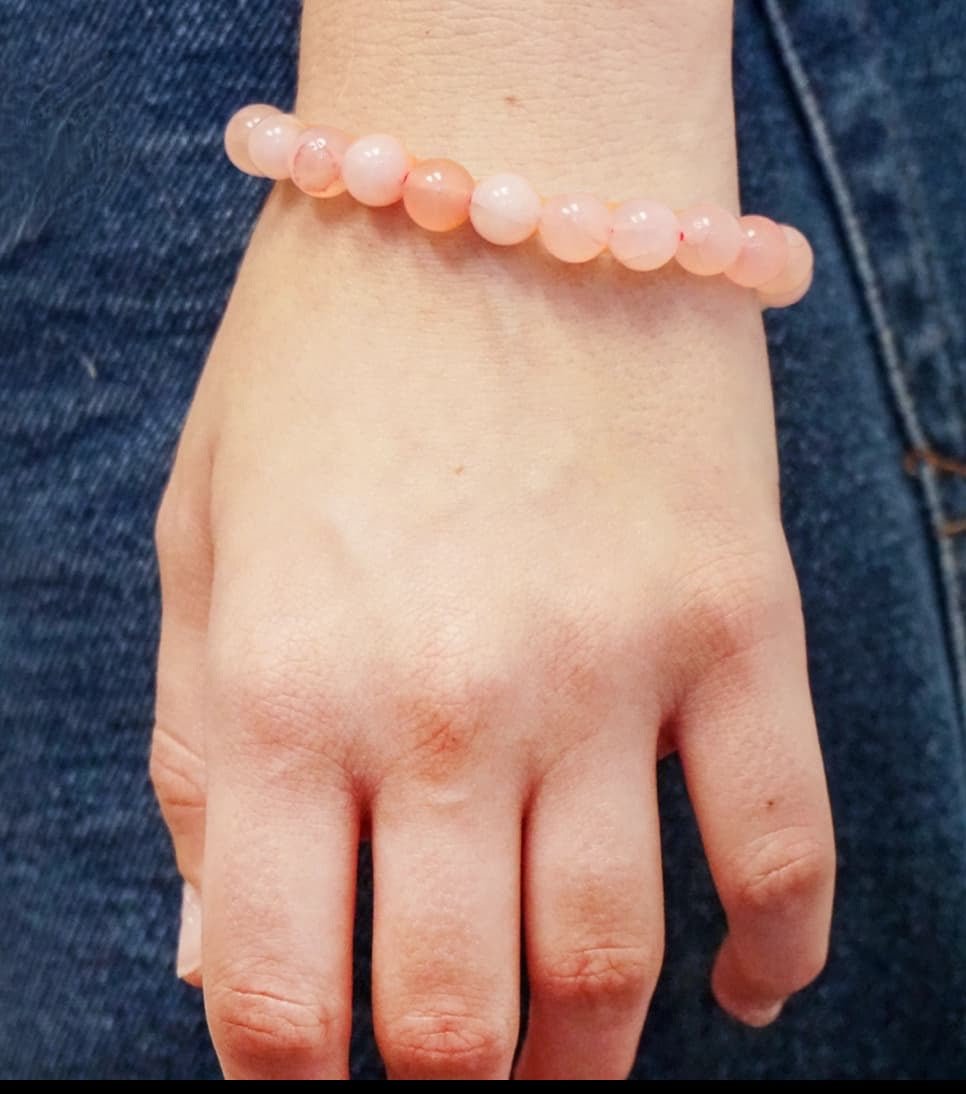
x=750, y=753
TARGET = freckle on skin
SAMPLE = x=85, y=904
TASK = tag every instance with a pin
x=511, y=100
x=770, y=803
x=459, y=470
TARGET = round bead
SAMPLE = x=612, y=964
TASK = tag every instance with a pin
x=763, y=254
x=437, y=195
x=575, y=227
x=237, y=132
x=795, y=279
x=505, y=209
x=316, y=166
x=645, y=235
x=272, y=142
x=710, y=239
x=374, y=169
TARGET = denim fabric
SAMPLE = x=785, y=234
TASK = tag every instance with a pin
x=120, y=230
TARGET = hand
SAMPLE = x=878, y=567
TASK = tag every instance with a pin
x=456, y=542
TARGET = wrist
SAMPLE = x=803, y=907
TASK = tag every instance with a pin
x=619, y=99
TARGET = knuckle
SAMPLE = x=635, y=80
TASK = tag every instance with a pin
x=275, y=689
x=442, y=715
x=266, y=1033
x=184, y=552
x=577, y=653
x=169, y=522
x=178, y=528
x=441, y=1042
x=783, y=872
x=619, y=976
x=287, y=711
x=177, y=772
x=732, y=607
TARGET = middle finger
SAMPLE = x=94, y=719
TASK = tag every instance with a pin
x=446, y=933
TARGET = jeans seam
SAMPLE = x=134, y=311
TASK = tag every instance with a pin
x=885, y=336
x=924, y=254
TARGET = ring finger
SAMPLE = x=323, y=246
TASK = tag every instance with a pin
x=594, y=915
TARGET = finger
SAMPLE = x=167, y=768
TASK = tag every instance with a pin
x=280, y=860
x=446, y=995
x=177, y=745
x=749, y=748
x=594, y=916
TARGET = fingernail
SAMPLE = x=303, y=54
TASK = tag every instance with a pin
x=758, y=1016
x=188, y=964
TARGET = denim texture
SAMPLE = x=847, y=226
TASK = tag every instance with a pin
x=121, y=226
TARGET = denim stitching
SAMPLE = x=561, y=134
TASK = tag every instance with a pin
x=885, y=337
x=922, y=250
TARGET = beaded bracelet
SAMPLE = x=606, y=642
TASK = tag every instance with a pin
x=440, y=195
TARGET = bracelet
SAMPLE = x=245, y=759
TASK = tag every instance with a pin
x=440, y=195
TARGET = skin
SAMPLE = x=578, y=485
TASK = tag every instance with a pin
x=457, y=543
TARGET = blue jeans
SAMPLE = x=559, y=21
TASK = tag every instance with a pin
x=121, y=226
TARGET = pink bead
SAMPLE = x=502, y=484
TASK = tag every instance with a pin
x=645, y=234
x=763, y=254
x=437, y=195
x=711, y=239
x=316, y=166
x=272, y=142
x=374, y=169
x=796, y=278
x=505, y=209
x=237, y=132
x=575, y=227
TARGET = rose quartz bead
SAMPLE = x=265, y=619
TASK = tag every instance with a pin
x=796, y=278
x=645, y=234
x=272, y=142
x=316, y=166
x=763, y=254
x=505, y=209
x=437, y=195
x=711, y=239
x=374, y=169
x=237, y=132
x=575, y=227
